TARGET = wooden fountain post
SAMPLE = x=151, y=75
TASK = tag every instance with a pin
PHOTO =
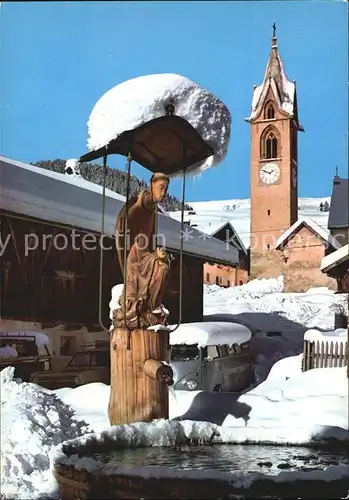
x=138, y=391
x=139, y=376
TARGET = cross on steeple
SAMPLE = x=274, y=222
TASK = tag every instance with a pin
x=274, y=30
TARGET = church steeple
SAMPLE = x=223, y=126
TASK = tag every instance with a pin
x=274, y=157
x=277, y=84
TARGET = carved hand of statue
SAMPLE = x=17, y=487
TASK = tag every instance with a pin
x=161, y=254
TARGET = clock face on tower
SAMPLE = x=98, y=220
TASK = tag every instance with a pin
x=269, y=173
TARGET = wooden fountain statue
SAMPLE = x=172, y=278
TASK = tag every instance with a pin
x=167, y=145
x=147, y=266
x=137, y=352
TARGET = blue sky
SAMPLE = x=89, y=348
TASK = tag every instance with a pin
x=58, y=58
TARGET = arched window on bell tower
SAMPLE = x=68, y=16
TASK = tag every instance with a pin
x=269, y=112
x=269, y=145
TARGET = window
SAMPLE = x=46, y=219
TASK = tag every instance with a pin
x=217, y=280
x=81, y=359
x=268, y=247
x=68, y=345
x=180, y=352
x=228, y=282
x=100, y=358
x=207, y=276
x=268, y=212
x=269, y=112
x=241, y=282
x=237, y=348
x=269, y=146
x=25, y=346
x=212, y=352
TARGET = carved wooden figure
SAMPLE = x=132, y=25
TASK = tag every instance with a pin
x=139, y=376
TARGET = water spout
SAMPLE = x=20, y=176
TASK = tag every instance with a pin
x=158, y=370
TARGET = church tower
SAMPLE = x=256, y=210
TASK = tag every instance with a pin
x=274, y=156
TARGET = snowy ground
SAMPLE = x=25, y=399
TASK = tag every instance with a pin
x=287, y=406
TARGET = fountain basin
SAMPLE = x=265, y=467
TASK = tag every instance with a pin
x=112, y=465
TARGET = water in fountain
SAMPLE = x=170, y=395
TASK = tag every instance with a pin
x=230, y=458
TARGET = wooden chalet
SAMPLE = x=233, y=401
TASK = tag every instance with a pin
x=50, y=250
x=228, y=275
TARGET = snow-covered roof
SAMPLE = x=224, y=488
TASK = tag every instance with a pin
x=334, y=259
x=311, y=224
x=68, y=200
x=275, y=78
x=134, y=102
x=236, y=236
x=210, y=333
x=66, y=178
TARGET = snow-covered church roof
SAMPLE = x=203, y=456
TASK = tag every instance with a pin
x=284, y=91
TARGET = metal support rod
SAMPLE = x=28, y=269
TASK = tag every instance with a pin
x=100, y=319
x=181, y=257
x=129, y=160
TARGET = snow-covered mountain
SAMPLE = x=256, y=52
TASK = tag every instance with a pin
x=210, y=215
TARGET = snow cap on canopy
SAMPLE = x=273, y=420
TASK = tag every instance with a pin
x=138, y=101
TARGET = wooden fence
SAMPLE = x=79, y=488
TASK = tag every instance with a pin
x=324, y=354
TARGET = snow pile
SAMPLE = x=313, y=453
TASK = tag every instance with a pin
x=116, y=293
x=160, y=432
x=338, y=336
x=310, y=310
x=253, y=289
x=136, y=101
x=33, y=423
x=277, y=320
x=79, y=398
x=292, y=406
x=210, y=333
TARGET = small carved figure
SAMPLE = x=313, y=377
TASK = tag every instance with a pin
x=147, y=266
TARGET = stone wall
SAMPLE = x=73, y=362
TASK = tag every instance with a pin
x=266, y=264
x=299, y=265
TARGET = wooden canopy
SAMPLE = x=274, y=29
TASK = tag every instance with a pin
x=167, y=144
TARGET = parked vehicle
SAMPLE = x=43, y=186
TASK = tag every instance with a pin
x=27, y=352
x=224, y=362
x=91, y=364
